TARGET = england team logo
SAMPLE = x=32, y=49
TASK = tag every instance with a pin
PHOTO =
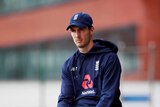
x=97, y=66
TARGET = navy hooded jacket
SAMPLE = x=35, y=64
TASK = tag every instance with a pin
x=92, y=79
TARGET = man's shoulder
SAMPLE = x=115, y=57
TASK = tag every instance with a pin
x=69, y=60
x=111, y=56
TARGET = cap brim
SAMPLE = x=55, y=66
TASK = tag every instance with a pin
x=80, y=25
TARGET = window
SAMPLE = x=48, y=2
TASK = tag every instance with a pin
x=40, y=61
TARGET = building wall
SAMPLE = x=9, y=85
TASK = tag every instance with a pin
x=48, y=22
x=152, y=28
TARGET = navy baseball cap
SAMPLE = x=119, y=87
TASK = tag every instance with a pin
x=80, y=20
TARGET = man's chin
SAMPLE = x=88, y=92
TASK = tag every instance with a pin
x=80, y=46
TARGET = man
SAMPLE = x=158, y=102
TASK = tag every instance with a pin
x=91, y=77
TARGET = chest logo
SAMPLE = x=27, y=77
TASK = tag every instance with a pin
x=97, y=66
x=87, y=82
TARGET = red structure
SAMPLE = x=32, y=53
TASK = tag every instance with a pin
x=50, y=23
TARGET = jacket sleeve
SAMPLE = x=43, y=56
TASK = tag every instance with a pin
x=110, y=84
x=66, y=96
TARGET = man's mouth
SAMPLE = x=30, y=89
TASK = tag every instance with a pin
x=78, y=41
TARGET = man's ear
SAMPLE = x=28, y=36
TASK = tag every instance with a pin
x=92, y=29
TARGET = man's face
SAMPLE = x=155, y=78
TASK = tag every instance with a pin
x=81, y=36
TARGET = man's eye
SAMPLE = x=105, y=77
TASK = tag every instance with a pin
x=72, y=30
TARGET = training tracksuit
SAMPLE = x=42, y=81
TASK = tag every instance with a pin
x=92, y=79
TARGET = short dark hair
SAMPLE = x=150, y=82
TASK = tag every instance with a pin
x=89, y=27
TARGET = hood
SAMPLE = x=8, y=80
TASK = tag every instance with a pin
x=103, y=46
x=100, y=46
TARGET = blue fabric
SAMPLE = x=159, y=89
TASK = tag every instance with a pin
x=92, y=79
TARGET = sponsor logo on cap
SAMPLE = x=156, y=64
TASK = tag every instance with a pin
x=75, y=17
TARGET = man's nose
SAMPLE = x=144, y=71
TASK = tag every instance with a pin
x=78, y=34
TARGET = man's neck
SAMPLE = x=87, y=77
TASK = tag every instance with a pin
x=87, y=48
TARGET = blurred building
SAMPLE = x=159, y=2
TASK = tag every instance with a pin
x=34, y=43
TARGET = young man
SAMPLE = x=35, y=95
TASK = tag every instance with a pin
x=91, y=77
